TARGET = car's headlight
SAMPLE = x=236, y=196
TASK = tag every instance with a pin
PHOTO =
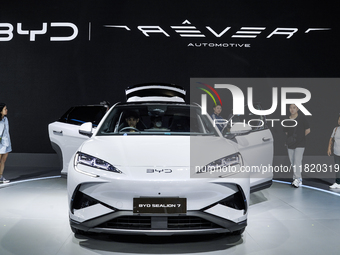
x=225, y=164
x=87, y=160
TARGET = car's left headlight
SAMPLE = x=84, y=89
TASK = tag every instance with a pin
x=228, y=163
x=91, y=161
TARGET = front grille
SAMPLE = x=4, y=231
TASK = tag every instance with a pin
x=128, y=222
x=145, y=223
x=189, y=222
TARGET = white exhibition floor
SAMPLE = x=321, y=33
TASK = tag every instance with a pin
x=281, y=220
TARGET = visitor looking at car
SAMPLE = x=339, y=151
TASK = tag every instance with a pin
x=5, y=142
x=296, y=142
x=335, y=142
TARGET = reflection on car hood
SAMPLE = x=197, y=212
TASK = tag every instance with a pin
x=161, y=151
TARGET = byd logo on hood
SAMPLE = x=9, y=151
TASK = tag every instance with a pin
x=153, y=170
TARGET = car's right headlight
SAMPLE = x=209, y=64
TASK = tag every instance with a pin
x=225, y=164
x=91, y=161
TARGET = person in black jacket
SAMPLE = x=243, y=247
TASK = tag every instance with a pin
x=296, y=142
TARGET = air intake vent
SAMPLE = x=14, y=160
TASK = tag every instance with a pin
x=128, y=222
x=187, y=222
x=145, y=223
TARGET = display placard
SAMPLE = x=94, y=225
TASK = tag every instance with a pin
x=159, y=205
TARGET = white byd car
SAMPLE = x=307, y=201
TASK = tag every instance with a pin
x=155, y=165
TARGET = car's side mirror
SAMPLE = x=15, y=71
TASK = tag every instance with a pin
x=237, y=129
x=86, y=129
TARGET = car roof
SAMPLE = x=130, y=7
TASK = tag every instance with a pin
x=155, y=92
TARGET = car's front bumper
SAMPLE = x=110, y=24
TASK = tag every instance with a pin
x=106, y=205
x=228, y=214
x=125, y=222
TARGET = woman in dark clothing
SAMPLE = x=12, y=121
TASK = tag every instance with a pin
x=297, y=148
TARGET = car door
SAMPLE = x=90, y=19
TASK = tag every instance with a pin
x=64, y=133
x=256, y=148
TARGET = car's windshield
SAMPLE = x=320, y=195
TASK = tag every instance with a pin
x=156, y=119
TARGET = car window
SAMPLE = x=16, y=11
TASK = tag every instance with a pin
x=80, y=114
x=157, y=119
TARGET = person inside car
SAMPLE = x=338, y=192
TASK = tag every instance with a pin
x=156, y=122
x=130, y=124
x=131, y=120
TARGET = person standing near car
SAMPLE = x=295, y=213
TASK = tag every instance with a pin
x=5, y=142
x=335, y=141
x=217, y=118
x=296, y=142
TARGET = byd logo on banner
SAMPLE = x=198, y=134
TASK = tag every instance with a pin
x=7, y=31
x=239, y=100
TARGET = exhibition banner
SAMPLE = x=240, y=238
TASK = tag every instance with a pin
x=58, y=55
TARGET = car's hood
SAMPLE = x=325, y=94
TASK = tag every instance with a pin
x=158, y=151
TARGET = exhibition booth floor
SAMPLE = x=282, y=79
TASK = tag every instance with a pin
x=281, y=220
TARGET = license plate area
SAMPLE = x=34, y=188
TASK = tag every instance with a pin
x=159, y=205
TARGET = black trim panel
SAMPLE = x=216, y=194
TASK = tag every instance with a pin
x=57, y=149
x=261, y=186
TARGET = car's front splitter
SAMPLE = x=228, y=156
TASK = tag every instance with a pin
x=126, y=222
